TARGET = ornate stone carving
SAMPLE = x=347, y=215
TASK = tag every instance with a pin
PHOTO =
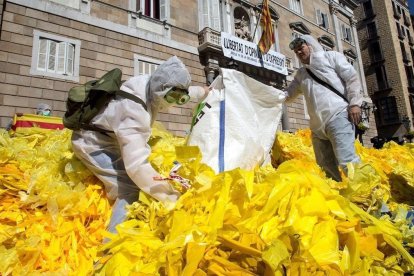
x=333, y=7
x=353, y=22
x=241, y=28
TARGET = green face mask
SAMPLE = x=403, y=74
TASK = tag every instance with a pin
x=177, y=95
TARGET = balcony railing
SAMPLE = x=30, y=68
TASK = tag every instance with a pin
x=209, y=38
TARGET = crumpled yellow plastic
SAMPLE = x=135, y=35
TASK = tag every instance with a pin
x=53, y=212
x=269, y=221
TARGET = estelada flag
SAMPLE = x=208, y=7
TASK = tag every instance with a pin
x=268, y=37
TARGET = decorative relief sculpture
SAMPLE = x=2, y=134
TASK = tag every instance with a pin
x=242, y=29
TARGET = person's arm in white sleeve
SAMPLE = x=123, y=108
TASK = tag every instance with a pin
x=131, y=124
x=349, y=76
x=293, y=90
x=198, y=93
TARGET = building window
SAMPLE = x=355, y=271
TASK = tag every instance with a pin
x=350, y=60
x=372, y=30
x=55, y=56
x=70, y=3
x=407, y=20
x=296, y=6
x=368, y=8
x=404, y=52
x=410, y=75
x=397, y=10
x=322, y=19
x=412, y=53
x=381, y=76
x=388, y=110
x=375, y=52
x=209, y=14
x=410, y=38
x=152, y=8
x=326, y=48
x=150, y=15
x=145, y=65
x=346, y=33
x=400, y=31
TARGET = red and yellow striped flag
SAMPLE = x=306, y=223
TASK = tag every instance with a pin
x=268, y=37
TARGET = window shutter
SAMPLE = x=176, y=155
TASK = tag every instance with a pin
x=61, y=50
x=206, y=13
x=215, y=14
x=349, y=34
x=200, y=15
x=41, y=62
x=51, y=63
x=163, y=10
x=326, y=20
x=319, y=19
x=69, y=59
x=343, y=32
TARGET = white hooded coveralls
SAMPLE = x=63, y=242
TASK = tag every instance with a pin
x=120, y=159
x=332, y=132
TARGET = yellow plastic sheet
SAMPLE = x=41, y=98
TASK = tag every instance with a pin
x=52, y=210
x=288, y=220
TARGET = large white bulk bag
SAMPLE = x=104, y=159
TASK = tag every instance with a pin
x=235, y=125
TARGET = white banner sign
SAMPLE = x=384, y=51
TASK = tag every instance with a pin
x=248, y=52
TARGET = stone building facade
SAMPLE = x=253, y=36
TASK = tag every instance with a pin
x=387, y=49
x=48, y=46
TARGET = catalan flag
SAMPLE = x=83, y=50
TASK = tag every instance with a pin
x=24, y=121
x=268, y=37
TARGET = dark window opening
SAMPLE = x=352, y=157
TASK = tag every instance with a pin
x=381, y=75
x=372, y=30
x=388, y=110
x=368, y=9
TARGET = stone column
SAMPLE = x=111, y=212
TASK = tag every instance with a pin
x=353, y=23
x=211, y=69
x=227, y=17
x=333, y=7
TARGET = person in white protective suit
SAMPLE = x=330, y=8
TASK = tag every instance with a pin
x=120, y=159
x=332, y=119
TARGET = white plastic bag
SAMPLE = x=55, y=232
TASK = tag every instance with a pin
x=235, y=125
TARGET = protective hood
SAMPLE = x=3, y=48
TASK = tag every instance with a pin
x=313, y=43
x=43, y=109
x=171, y=73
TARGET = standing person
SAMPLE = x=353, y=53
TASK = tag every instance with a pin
x=119, y=157
x=332, y=116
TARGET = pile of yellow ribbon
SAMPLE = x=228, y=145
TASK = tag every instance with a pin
x=286, y=219
x=53, y=211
